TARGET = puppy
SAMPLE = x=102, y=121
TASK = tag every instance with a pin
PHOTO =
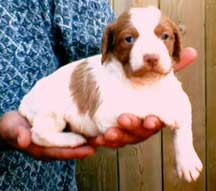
x=134, y=74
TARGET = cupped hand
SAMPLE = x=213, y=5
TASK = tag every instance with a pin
x=132, y=129
x=15, y=131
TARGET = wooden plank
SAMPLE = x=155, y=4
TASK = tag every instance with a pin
x=121, y=5
x=191, y=14
x=211, y=92
x=140, y=165
x=98, y=173
x=141, y=3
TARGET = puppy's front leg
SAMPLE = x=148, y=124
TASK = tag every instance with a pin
x=188, y=162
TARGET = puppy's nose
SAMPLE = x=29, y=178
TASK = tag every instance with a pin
x=151, y=59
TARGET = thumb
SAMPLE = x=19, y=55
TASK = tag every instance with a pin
x=23, y=137
x=15, y=130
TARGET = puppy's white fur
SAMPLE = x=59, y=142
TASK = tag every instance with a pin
x=50, y=104
x=147, y=42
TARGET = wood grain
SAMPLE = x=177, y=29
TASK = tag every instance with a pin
x=121, y=5
x=140, y=3
x=98, y=173
x=140, y=166
x=211, y=92
x=191, y=14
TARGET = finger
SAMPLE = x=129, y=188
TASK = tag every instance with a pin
x=46, y=153
x=119, y=137
x=152, y=122
x=116, y=137
x=97, y=141
x=20, y=137
x=134, y=126
x=114, y=145
x=129, y=121
x=113, y=138
x=188, y=56
x=23, y=137
x=15, y=129
x=147, y=133
x=151, y=125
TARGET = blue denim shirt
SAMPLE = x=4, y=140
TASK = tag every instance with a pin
x=37, y=37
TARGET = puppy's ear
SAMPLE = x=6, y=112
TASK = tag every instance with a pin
x=177, y=42
x=108, y=42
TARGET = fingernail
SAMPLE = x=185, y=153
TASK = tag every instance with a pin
x=124, y=120
x=19, y=140
x=101, y=141
x=22, y=142
x=150, y=124
x=153, y=124
x=112, y=136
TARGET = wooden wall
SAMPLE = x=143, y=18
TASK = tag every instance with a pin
x=150, y=166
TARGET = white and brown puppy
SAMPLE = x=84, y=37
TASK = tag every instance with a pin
x=134, y=75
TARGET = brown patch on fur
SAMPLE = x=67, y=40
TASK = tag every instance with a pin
x=84, y=89
x=114, y=40
x=173, y=43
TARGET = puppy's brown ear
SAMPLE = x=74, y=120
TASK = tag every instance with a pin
x=177, y=43
x=108, y=42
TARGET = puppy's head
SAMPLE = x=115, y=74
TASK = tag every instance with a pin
x=143, y=41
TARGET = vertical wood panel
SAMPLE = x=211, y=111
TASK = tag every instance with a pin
x=140, y=3
x=98, y=173
x=211, y=92
x=191, y=14
x=140, y=165
x=121, y=5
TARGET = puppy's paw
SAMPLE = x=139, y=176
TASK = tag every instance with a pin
x=189, y=166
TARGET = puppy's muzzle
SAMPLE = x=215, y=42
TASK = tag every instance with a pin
x=151, y=60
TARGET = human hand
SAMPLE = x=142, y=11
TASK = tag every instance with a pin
x=132, y=129
x=188, y=56
x=15, y=130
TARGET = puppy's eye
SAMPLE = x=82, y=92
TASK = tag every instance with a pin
x=130, y=39
x=165, y=36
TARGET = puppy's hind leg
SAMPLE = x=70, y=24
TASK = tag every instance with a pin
x=48, y=131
